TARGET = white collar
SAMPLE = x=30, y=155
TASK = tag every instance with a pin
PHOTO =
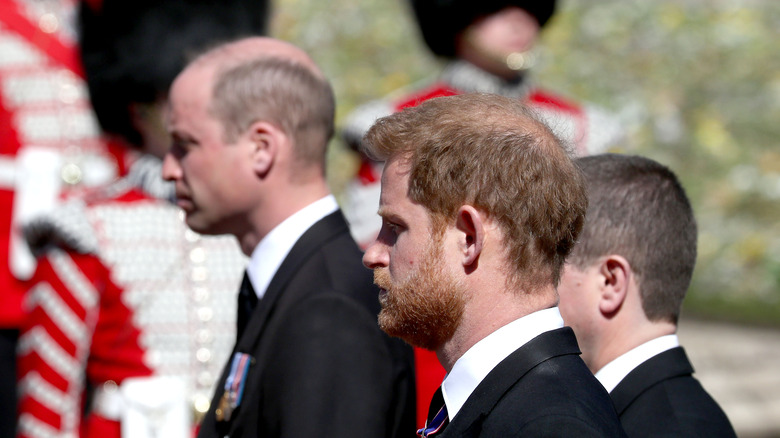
x=269, y=254
x=614, y=372
x=480, y=359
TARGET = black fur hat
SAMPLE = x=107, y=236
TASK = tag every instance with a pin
x=132, y=50
x=441, y=21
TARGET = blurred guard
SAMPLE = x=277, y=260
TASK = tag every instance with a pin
x=131, y=314
x=49, y=146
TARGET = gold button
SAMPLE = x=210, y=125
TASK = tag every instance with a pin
x=110, y=386
x=203, y=355
x=49, y=23
x=205, y=314
x=202, y=404
x=71, y=173
x=198, y=255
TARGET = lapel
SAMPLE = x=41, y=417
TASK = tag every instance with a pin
x=319, y=234
x=666, y=365
x=503, y=377
x=326, y=229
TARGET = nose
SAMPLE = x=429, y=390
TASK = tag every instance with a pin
x=375, y=255
x=171, y=171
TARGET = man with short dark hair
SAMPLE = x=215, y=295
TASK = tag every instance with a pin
x=622, y=290
x=250, y=123
x=480, y=205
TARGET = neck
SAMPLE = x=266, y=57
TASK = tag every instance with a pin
x=283, y=201
x=621, y=339
x=488, y=312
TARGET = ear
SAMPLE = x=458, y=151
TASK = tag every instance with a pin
x=615, y=272
x=265, y=140
x=472, y=228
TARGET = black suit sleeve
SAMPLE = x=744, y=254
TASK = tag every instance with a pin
x=330, y=372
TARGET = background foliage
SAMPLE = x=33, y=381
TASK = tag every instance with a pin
x=695, y=82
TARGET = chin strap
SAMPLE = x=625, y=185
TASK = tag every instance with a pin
x=521, y=61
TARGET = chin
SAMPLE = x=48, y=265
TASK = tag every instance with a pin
x=196, y=224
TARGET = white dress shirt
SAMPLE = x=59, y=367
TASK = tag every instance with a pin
x=480, y=359
x=614, y=372
x=269, y=254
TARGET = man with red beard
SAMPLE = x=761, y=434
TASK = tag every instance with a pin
x=480, y=205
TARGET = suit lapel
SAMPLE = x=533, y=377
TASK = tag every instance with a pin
x=321, y=232
x=508, y=372
x=324, y=230
x=666, y=365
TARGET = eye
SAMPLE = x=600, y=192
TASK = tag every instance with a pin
x=393, y=227
x=180, y=146
x=389, y=232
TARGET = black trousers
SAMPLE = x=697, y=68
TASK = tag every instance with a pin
x=8, y=414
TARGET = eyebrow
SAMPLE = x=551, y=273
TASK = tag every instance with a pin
x=389, y=215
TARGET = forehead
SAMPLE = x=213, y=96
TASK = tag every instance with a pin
x=394, y=200
x=395, y=182
x=190, y=92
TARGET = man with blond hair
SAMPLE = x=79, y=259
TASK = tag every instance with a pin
x=250, y=122
x=480, y=205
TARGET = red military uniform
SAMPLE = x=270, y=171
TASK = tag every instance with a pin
x=131, y=304
x=585, y=128
x=49, y=145
x=49, y=139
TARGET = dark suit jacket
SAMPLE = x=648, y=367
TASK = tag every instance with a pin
x=543, y=389
x=661, y=398
x=322, y=367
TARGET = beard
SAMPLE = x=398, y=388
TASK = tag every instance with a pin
x=424, y=309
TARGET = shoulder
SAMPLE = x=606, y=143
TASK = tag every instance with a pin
x=75, y=225
x=546, y=403
x=662, y=396
x=332, y=259
x=360, y=120
x=592, y=128
x=676, y=405
x=543, y=98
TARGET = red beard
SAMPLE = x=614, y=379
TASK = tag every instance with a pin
x=424, y=309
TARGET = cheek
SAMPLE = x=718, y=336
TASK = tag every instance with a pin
x=403, y=259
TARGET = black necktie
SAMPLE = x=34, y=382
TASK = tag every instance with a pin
x=247, y=301
x=437, y=417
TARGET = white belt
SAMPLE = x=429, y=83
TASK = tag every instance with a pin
x=35, y=175
x=146, y=407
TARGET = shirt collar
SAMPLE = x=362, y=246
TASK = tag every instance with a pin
x=480, y=359
x=614, y=372
x=269, y=254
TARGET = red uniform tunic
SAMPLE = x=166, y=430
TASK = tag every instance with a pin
x=49, y=137
x=129, y=303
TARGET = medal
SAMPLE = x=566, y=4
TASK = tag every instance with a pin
x=223, y=411
x=234, y=386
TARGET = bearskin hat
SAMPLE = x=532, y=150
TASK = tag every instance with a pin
x=132, y=50
x=441, y=21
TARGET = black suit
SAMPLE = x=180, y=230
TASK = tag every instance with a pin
x=322, y=367
x=542, y=389
x=660, y=397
